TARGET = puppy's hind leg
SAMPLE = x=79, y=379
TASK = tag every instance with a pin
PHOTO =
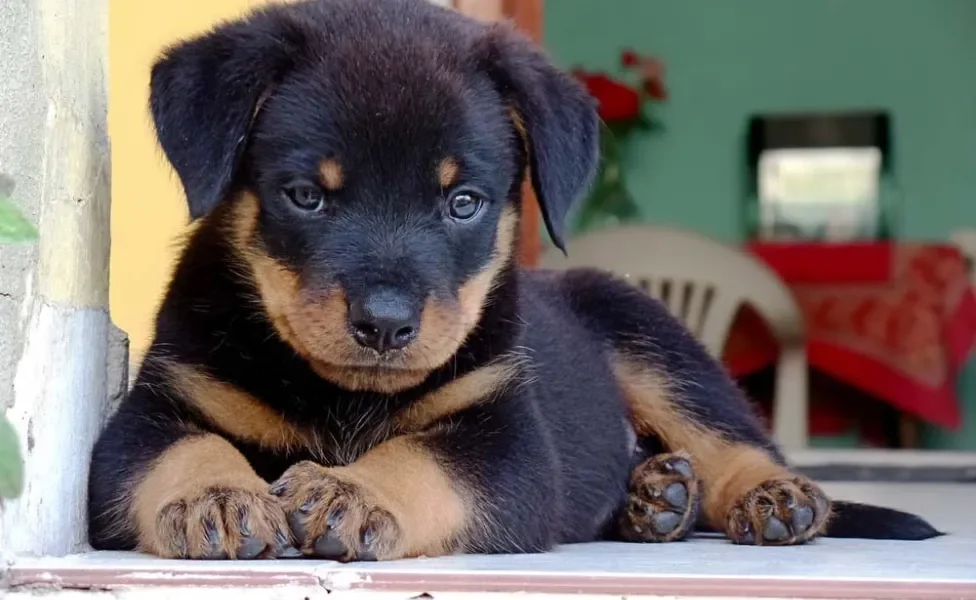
x=749, y=493
x=681, y=397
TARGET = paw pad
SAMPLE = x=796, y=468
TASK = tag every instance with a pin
x=779, y=513
x=663, y=500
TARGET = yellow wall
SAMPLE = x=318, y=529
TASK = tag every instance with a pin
x=148, y=212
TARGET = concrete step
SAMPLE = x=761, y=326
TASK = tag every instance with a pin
x=701, y=568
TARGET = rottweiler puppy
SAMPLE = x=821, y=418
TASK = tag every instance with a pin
x=349, y=364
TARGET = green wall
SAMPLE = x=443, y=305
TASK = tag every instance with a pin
x=728, y=58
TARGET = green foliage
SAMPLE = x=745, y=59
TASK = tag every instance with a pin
x=11, y=465
x=609, y=201
x=13, y=228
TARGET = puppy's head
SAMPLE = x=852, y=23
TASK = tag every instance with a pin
x=364, y=160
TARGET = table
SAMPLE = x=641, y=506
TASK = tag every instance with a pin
x=895, y=320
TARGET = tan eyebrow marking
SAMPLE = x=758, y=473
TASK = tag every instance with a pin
x=331, y=173
x=447, y=172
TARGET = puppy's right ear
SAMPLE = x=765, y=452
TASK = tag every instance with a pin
x=555, y=115
x=205, y=93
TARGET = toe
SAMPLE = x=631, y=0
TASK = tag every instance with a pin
x=682, y=467
x=214, y=549
x=665, y=522
x=776, y=530
x=289, y=552
x=802, y=519
x=296, y=522
x=250, y=548
x=676, y=495
x=329, y=546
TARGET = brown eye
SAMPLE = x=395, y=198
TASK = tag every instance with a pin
x=306, y=197
x=464, y=206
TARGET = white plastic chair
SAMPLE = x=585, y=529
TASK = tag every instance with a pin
x=703, y=282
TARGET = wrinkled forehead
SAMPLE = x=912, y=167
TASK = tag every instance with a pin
x=388, y=112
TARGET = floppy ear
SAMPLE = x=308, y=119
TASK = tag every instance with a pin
x=558, y=119
x=204, y=94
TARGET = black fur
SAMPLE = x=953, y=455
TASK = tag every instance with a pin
x=855, y=520
x=389, y=88
x=561, y=135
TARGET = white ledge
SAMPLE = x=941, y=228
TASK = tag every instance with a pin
x=940, y=568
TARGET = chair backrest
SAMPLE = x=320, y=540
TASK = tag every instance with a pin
x=701, y=281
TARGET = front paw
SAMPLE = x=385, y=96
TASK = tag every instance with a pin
x=331, y=516
x=779, y=512
x=221, y=523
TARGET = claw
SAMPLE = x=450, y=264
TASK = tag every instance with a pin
x=334, y=517
x=290, y=552
x=748, y=537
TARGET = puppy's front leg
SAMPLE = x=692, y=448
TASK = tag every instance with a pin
x=398, y=500
x=201, y=499
x=480, y=479
x=160, y=484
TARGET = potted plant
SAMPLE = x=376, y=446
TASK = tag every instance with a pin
x=624, y=109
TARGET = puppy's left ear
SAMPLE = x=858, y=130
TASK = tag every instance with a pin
x=204, y=95
x=558, y=119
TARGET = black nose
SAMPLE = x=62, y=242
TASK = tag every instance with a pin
x=384, y=320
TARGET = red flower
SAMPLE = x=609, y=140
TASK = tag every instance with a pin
x=616, y=100
x=652, y=72
x=629, y=58
x=655, y=89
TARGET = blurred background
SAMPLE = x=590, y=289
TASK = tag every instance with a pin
x=793, y=179
x=827, y=144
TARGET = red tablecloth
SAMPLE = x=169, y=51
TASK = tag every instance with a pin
x=894, y=320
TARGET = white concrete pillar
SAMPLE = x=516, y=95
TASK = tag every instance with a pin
x=60, y=393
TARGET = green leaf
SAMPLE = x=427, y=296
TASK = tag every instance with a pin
x=13, y=226
x=11, y=466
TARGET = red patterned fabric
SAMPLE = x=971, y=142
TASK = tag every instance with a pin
x=902, y=338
